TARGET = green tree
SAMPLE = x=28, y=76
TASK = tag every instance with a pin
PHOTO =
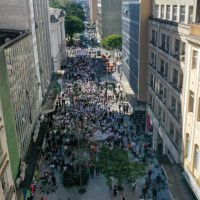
x=115, y=163
x=112, y=42
x=73, y=24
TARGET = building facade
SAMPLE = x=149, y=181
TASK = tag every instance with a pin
x=135, y=16
x=42, y=23
x=57, y=36
x=93, y=10
x=7, y=188
x=20, y=65
x=108, y=13
x=191, y=123
x=172, y=84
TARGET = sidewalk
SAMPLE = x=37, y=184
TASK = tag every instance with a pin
x=177, y=184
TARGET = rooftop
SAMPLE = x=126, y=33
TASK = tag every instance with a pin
x=8, y=35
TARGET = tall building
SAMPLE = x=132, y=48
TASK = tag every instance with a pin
x=25, y=70
x=93, y=10
x=191, y=110
x=135, y=16
x=41, y=21
x=108, y=13
x=7, y=187
x=57, y=36
x=18, y=68
x=173, y=84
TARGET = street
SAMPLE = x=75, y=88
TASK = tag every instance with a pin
x=93, y=110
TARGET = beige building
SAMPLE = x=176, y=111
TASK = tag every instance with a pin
x=57, y=37
x=93, y=10
x=7, y=187
x=173, y=87
x=191, y=123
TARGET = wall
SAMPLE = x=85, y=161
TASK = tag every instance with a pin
x=14, y=14
x=9, y=120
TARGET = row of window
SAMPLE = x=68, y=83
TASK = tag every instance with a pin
x=169, y=73
x=22, y=79
x=175, y=13
x=165, y=121
x=177, y=49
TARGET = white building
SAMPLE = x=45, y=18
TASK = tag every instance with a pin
x=57, y=37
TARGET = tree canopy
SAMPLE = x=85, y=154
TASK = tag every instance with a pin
x=73, y=24
x=112, y=42
x=115, y=163
x=71, y=8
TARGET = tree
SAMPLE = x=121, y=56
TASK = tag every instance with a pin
x=112, y=42
x=115, y=163
x=73, y=25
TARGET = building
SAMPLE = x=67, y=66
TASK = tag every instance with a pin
x=57, y=36
x=93, y=10
x=191, y=120
x=108, y=13
x=7, y=188
x=172, y=84
x=135, y=16
x=18, y=67
x=41, y=22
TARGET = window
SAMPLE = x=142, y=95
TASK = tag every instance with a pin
x=180, y=82
x=194, y=59
x=175, y=77
x=157, y=11
x=187, y=146
x=177, y=47
x=191, y=102
x=167, y=44
x=161, y=90
x=190, y=20
x=196, y=160
x=173, y=104
x=198, y=114
x=182, y=14
x=152, y=80
x=168, y=12
x=177, y=138
x=153, y=37
x=162, y=70
x=162, y=11
x=171, y=129
x=166, y=70
x=163, y=41
x=174, y=15
x=163, y=116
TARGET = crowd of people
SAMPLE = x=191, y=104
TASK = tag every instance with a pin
x=84, y=109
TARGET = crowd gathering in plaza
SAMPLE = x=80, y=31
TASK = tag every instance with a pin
x=84, y=111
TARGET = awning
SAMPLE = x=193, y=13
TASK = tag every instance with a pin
x=50, y=103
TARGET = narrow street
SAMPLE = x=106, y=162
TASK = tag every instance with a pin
x=92, y=110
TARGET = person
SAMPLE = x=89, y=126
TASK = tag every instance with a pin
x=123, y=198
x=144, y=191
x=154, y=193
x=115, y=191
x=158, y=178
x=133, y=185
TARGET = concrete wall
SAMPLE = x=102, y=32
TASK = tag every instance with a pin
x=111, y=17
x=14, y=14
x=145, y=10
x=8, y=114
